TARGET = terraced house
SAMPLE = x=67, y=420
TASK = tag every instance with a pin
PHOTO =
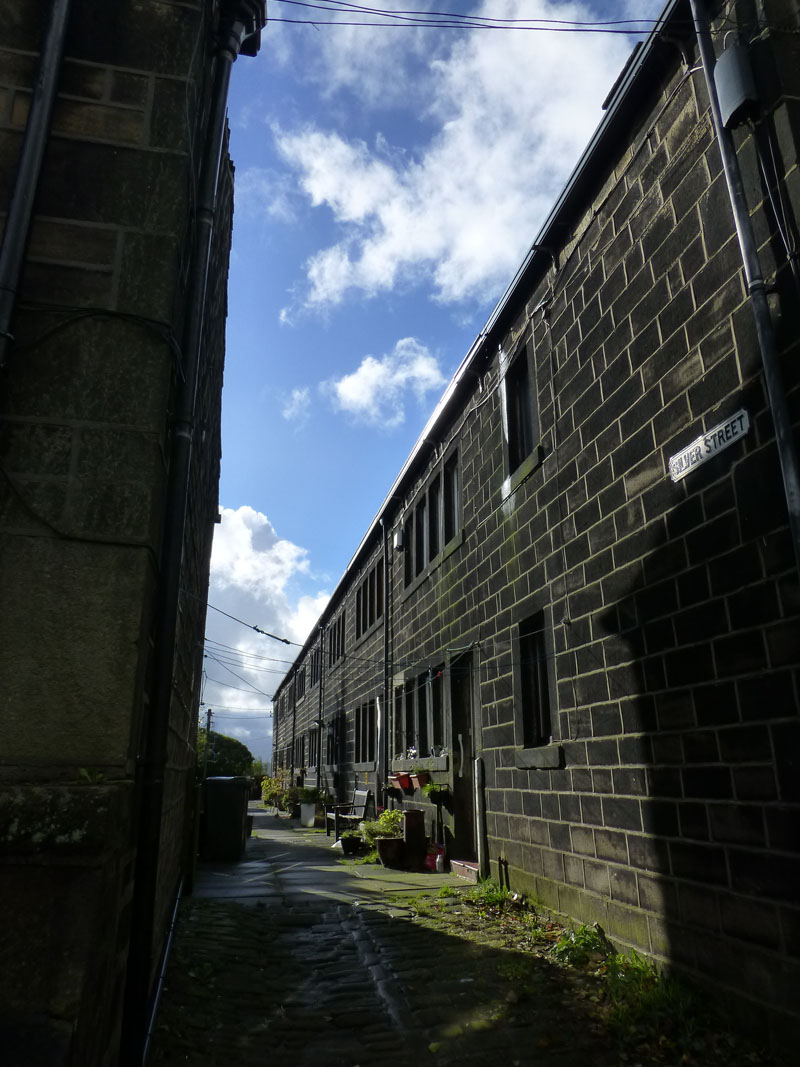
x=578, y=604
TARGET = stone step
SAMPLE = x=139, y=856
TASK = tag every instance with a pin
x=466, y=869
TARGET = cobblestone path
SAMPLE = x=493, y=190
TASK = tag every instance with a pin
x=304, y=979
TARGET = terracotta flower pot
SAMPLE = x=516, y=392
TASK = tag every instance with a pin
x=420, y=779
x=400, y=780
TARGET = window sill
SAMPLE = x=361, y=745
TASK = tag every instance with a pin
x=523, y=472
x=368, y=766
x=551, y=755
x=430, y=763
x=377, y=625
x=451, y=546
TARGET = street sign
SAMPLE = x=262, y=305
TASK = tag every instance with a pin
x=712, y=441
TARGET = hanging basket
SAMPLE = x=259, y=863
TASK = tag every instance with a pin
x=400, y=780
x=419, y=779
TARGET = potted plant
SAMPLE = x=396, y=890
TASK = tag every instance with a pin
x=352, y=842
x=386, y=834
x=400, y=780
x=307, y=798
x=438, y=793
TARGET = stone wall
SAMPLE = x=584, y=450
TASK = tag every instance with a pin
x=85, y=401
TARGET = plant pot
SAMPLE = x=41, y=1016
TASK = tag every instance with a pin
x=400, y=780
x=351, y=846
x=420, y=779
x=307, y=814
x=391, y=851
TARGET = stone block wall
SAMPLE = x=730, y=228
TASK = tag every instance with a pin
x=673, y=606
x=85, y=406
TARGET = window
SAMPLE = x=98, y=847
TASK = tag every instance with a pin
x=300, y=684
x=451, y=504
x=316, y=660
x=418, y=716
x=434, y=517
x=365, y=733
x=534, y=692
x=434, y=521
x=334, y=741
x=299, y=752
x=313, y=747
x=369, y=599
x=336, y=640
x=520, y=407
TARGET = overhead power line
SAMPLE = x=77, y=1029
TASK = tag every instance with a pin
x=415, y=18
x=249, y=625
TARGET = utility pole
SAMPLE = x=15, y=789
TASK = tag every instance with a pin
x=209, y=714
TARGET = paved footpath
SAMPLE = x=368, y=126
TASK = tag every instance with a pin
x=293, y=957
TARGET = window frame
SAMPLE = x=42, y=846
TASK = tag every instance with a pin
x=424, y=529
x=315, y=658
x=336, y=639
x=313, y=748
x=335, y=740
x=415, y=696
x=365, y=723
x=369, y=596
x=520, y=456
x=542, y=753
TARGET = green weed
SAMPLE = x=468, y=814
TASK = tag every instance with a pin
x=489, y=894
x=582, y=945
x=643, y=999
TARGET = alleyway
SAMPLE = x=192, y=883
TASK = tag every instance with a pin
x=293, y=957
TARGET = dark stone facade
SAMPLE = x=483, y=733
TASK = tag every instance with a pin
x=661, y=796
x=87, y=394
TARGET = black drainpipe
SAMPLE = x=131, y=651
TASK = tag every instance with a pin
x=26, y=185
x=321, y=705
x=756, y=287
x=240, y=21
x=293, y=691
x=384, y=717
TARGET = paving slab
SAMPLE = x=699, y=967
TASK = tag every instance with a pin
x=293, y=956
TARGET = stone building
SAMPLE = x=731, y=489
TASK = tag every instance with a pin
x=116, y=192
x=578, y=604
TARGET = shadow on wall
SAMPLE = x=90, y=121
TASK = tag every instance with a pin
x=712, y=629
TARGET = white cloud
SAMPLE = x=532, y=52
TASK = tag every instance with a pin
x=253, y=572
x=248, y=555
x=297, y=406
x=264, y=192
x=512, y=111
x=375, y=393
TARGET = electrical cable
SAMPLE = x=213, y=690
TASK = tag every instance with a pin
x=241, y=679
x=381, y=18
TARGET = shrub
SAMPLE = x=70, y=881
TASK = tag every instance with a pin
x=273, y=791
x=388, y=824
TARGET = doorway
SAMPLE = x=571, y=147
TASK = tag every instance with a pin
x=463, y=845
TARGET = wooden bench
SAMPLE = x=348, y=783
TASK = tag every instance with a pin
x=347, y=816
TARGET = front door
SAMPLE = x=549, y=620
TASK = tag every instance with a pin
x=463, y=844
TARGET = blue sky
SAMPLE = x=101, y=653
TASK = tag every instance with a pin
x=389, y=181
